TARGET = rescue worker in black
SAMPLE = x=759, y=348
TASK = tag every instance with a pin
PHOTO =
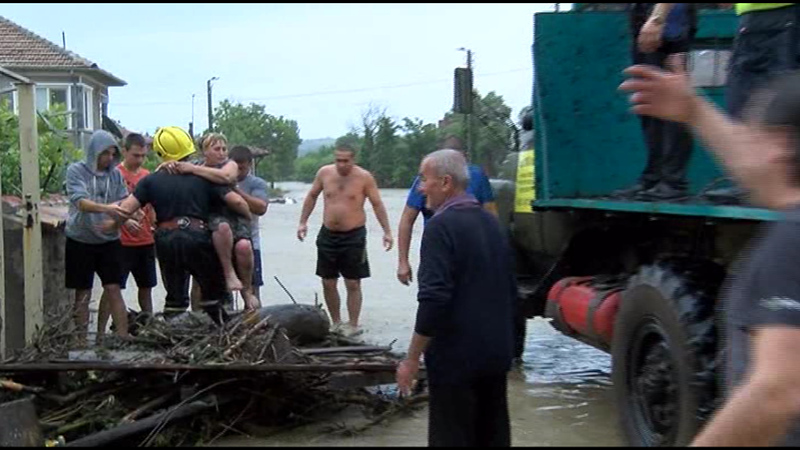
x=183, y=240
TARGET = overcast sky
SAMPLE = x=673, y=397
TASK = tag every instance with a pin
x=319, y=64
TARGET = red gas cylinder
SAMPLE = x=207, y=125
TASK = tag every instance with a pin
x=575, y=296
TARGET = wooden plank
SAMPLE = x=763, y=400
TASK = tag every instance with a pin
x=69, y=366
x=32, y=227
x=358, y=349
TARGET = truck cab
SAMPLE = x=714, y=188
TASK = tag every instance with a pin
x=639, y=280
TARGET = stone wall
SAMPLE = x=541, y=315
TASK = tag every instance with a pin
x=53, y=241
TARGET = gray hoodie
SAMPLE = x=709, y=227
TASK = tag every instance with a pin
x=84, y=181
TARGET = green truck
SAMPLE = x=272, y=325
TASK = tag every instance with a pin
x=639, y=280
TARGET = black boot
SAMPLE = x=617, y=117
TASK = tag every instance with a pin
x=663, y=192
x=733, y=195
x=633, y=191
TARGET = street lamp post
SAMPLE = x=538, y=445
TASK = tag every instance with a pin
x=210, y=111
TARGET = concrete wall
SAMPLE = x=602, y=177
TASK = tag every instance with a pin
x=55, y=294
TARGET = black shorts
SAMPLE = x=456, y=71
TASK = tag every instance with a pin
x=141, y=262
x=342, y=253
x=82, y=261
x=258, y=279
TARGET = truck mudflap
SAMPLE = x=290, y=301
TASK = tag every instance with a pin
x=586, y=307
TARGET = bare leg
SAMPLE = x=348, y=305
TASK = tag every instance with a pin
x=332, y=299
x=196, y=295
x=118, y=310
x=354, y=300
x=103, y=314
x=145, y=300
x=82, y=314
x=244, y=267
x=223, y=244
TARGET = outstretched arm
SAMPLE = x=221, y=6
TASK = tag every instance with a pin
x=374, y=196
x=308, y=205
x=226, y=175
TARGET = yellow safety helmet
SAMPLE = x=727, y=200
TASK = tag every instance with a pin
x=173, y=143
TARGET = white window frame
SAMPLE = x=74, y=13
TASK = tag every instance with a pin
x=88, y=106
x=68, y=87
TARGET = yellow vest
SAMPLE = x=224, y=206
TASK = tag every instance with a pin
x=743, y=8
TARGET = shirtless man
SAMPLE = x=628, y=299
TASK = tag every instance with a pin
x=342, y=240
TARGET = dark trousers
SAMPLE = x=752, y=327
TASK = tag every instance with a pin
x=469, y=414
x=767, y=45
x=190, y=252
x=669, y=144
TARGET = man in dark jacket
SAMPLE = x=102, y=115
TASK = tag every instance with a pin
x=467, y=293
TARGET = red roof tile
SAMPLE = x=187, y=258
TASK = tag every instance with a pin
x=21, y=48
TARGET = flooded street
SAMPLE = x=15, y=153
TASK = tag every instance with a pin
x=561, y=396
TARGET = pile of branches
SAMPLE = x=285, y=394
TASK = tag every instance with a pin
x=192, y=338
x=186, y=407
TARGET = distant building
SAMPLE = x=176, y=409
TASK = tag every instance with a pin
x=61, y=77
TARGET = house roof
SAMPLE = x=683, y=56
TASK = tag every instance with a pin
x=21, y=48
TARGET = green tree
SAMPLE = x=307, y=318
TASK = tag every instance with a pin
x=492, y=134
x=56, y=150
x=252, y=125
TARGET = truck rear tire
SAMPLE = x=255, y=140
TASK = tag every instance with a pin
x=664, y=352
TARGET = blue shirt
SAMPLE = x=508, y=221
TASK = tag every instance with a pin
x=479, y=187
x=677, y=22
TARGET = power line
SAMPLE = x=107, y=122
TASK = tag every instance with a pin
x=321, y=93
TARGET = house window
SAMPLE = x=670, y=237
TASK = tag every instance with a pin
x=47, y=97
x=7, y=100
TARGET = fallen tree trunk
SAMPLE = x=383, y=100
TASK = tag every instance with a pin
x=129, y=429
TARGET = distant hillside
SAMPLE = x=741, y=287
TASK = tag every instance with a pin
x=312, y=145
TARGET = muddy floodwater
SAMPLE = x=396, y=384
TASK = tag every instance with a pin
x=560, y=396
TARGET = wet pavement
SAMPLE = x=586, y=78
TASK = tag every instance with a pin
x=560, y=396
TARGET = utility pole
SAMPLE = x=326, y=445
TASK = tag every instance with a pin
x=191, y=124
x=210, y=111
x=468, y=117
x=470, y=142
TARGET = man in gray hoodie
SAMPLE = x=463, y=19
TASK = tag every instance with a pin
x=95, y=187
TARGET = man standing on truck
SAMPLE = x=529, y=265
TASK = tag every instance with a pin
x=183, y=204
x=342, y=240
x=661, y=30
x=479, y=187
x=762, y=299
x=767, y=44
x=467, y=295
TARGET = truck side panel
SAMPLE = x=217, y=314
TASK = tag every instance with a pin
x=587, y=142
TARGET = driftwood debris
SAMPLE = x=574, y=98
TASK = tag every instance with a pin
x=187, y=381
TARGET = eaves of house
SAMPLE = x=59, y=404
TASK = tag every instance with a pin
x=22, y=49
